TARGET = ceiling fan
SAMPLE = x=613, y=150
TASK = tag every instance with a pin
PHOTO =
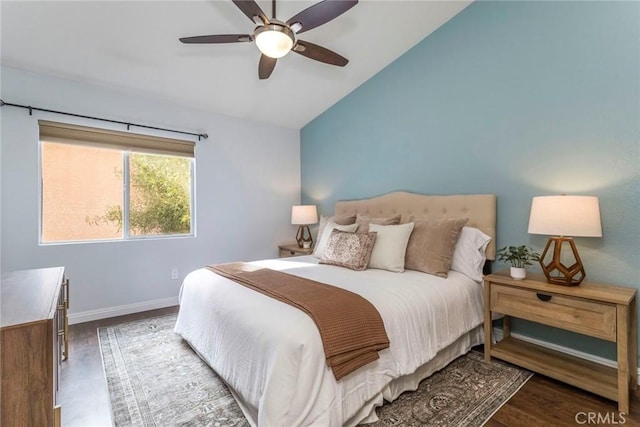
x=275, y=38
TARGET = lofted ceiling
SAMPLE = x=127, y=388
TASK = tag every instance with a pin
x=133, y=46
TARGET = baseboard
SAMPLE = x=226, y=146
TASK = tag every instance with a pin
x=497, y=335
x=120, y=310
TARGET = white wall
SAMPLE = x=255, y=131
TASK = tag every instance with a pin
x=247, y=178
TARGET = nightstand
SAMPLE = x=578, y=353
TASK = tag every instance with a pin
x=293, y=249
x=603, y=311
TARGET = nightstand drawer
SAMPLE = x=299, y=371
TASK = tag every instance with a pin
x=286, y=253
x=592, y=318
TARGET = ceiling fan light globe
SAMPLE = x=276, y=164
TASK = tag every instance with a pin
x=274, y=41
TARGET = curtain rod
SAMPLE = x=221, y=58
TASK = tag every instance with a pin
x=31, y=109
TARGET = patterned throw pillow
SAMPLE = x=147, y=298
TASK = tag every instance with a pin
x=350, y=250
x=363, y=222
x=431, y=245
x=323, y=239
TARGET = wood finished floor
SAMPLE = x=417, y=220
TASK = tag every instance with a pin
x=541, y=402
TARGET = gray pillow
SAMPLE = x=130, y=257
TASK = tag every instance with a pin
x=363, y=222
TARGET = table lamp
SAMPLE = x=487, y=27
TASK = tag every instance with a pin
x=303, y=215
x=562, y=216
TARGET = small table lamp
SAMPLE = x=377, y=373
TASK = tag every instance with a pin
x=303, y=215
x=564, y=216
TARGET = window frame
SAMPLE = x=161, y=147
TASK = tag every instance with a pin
x=126, y=235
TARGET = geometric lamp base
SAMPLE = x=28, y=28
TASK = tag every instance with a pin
x=304, y=235
x=555, y=270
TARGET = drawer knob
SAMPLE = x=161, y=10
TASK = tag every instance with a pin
x=543, y=297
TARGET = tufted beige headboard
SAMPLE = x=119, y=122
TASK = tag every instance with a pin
x=479, y=208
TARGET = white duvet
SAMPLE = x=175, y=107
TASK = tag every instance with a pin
x=271, y=354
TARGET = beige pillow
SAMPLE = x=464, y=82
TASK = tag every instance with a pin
x=350, y=250
x=391, y=244
x=431, y=245
x=323, y=240
x=363, y=222
x=336, y=219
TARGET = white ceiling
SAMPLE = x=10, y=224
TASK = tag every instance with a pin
x=133, y=46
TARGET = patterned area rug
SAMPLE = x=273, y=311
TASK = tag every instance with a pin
x=466, y=393
x=156, y=379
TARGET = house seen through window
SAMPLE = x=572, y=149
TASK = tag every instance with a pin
x=105, y=185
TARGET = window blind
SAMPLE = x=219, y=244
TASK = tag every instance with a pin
x=106, y=138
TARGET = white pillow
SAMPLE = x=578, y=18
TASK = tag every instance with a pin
x=469, y=256
x=323, y=241
x=390, y=247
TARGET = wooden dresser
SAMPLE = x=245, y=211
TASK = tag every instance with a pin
x=33, y=342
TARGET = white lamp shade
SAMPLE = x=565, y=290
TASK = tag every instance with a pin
x=304, y=215
x=571, y=216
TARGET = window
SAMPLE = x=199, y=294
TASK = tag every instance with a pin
x=107, y=185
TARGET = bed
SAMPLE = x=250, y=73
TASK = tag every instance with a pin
x=271, y=356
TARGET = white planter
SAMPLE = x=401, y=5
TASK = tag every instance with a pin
x=518, y=273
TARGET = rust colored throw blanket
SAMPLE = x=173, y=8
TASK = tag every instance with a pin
x=351, y=328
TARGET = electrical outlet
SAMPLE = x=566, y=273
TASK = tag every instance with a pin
x=174, y=274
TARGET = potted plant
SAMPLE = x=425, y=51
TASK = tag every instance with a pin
x=519, y=257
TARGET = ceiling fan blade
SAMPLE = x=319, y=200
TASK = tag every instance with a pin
x=220, y=38
x=251, y=9
x=320, y=13
x=319, y=53
x=266, y=66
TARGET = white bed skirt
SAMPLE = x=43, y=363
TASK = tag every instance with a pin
x=395, y=388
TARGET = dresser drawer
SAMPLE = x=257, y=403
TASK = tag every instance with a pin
x=593, y=318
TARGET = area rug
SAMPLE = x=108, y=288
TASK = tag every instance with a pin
x=156, y=379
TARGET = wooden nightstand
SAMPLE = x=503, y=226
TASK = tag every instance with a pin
x=597, y=310
x=293, y=249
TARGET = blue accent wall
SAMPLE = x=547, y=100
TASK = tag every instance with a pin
x=513, y=98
